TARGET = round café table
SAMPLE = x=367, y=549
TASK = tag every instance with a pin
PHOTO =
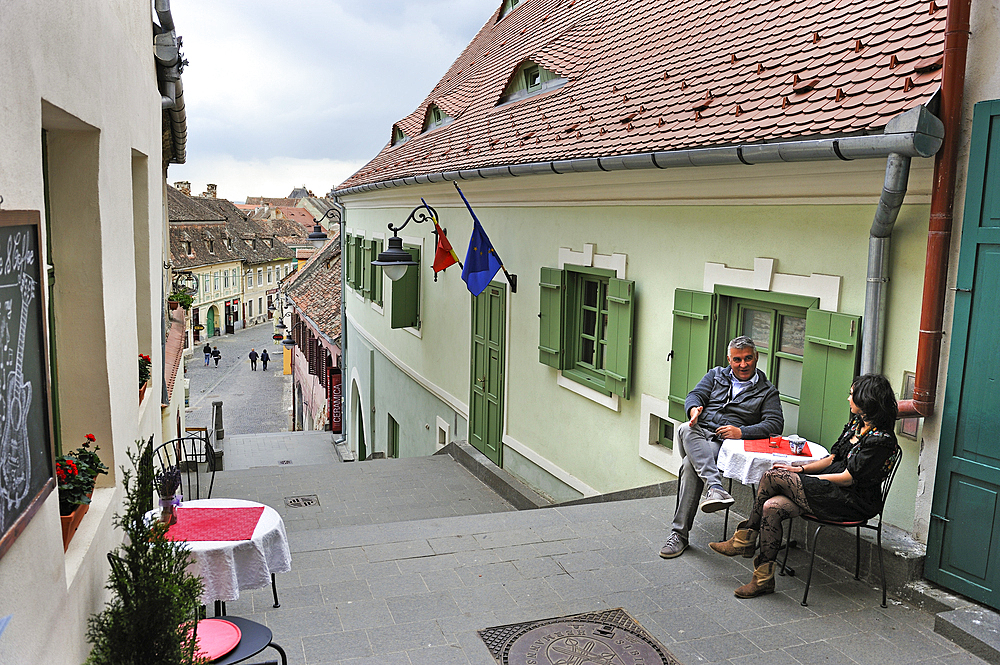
x=228, y=566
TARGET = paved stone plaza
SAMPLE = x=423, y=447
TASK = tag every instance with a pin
x=403, y=561
x=400, y=562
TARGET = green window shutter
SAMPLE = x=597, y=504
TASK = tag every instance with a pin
x=829, y=365
x=692, y=345
x=550, y=307
x=618, y=353
x=376, y=274
x=349, y=259
x=406, y=295
x=358, y=258
x=366, y=267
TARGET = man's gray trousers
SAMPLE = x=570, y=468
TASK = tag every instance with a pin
x=699, y=451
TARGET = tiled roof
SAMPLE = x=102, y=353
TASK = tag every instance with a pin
x=658, y=75
x=267, y=201
x=315, y=289
x=300, y=215
x=255, y=243
x=289, y=232
x=198, y=220
x=183, y=208
x=174, y=349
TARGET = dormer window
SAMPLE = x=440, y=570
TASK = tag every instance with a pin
x=508, y=6
x=398, y=137
x=229, y=243
x=186, y=246
x=211, y=247
x=435, y=118
x=530, y=79
x=267, y=241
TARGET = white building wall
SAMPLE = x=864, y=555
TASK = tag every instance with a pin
x=85, y=72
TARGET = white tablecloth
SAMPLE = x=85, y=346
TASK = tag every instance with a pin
x=734, y=462
x=228, y=566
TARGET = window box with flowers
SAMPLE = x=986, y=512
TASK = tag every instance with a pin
x=145, y=371
x=77, y=473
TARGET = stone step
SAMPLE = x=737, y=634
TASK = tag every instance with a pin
x=975, y=629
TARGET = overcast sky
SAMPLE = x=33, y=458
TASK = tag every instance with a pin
x=284, y=93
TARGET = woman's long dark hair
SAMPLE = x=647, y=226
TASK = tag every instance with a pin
x=874, y=395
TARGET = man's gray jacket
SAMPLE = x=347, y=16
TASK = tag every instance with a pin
x=756, y=410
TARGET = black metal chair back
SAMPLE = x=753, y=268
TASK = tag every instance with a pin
x=857, y=525
x=190, y=454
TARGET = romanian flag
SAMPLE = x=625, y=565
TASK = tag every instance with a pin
x=444, y=255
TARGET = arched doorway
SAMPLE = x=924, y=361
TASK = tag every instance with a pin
x=358, y=418
x=210, y=322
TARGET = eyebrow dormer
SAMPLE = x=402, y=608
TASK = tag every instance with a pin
x=530, y=79
x=398, y=136
x=435, y=118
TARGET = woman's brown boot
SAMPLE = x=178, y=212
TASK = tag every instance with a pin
x=743, y=542
x=762, y=582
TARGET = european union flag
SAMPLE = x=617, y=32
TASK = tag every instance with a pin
x=481, y=262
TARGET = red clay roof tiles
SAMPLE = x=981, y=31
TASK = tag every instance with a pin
x=668, y=75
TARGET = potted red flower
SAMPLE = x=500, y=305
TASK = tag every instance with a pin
x=145, y=372
x=77, y=473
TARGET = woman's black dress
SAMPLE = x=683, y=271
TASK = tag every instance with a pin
x=869, y=461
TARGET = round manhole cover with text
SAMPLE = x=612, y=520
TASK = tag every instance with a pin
x=611, y=637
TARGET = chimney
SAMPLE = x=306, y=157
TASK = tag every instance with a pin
x=184, y=187
x=210, y=193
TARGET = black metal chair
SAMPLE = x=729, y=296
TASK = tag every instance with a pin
x=857, y=525
x=189, y=454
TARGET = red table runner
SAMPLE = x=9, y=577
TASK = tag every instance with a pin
x=764, y=446
x=215, y=523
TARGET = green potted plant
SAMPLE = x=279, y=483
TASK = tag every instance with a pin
x=154, y=599
x=77, y=473
x=179, y=298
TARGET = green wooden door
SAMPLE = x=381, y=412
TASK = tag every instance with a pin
x=489, y=313
x=210, y=323
x=964, y=535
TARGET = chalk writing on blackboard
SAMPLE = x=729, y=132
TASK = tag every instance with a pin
x=17, y=290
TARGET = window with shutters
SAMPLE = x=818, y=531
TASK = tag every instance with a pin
x=810, y=355
x=375, y=276
x=406, y=294
x=585, y=327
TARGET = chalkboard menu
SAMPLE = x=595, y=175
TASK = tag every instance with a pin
x=25, y=443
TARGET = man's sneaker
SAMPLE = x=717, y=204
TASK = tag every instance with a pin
x=674, y=546
x=716, y=499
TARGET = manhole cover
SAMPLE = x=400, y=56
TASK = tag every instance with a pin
x=611, y=637
x=285, y=461
x=302, y=501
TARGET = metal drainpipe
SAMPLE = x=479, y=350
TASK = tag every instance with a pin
x=343, y=327
x=897, y=173
x=956, y=47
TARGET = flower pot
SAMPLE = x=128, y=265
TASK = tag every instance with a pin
x=173, y=304
x=142, y=391
x=71, y=522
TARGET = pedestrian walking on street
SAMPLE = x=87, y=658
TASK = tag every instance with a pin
x=208, y=352
x=216, y=355
x=253, y=360
x=264, y=358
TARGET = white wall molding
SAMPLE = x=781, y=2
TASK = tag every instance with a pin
x=456, y=404
x=556, y=472
x=591, y=259
x=764, y=278
x=651, y=410
x=609, y=401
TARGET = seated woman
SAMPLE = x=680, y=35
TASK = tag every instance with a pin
x=845, y=485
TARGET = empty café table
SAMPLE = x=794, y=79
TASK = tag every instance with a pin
x=235, y=545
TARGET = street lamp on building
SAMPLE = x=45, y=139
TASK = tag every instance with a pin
x=395, y=260
x=317, y=238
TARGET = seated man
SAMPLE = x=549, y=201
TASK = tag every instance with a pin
x=735, y=402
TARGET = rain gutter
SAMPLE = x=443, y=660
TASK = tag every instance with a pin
x=166, y=51
x=917, y=133
x=956, y=47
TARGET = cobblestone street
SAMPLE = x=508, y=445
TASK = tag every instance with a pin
x=253, y=402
